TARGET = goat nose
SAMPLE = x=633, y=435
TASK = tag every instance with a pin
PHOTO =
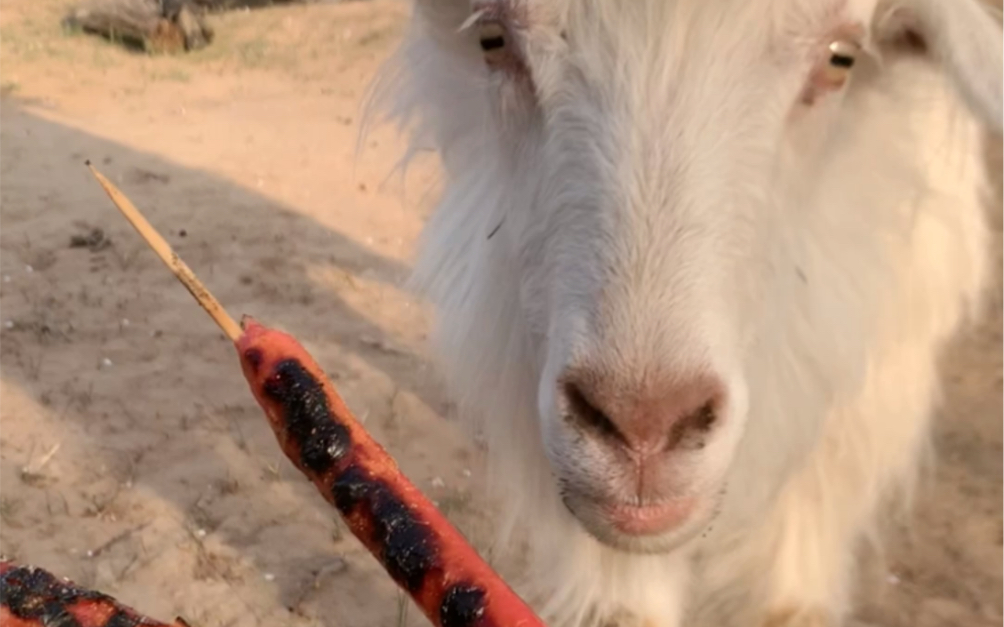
x=678, y=413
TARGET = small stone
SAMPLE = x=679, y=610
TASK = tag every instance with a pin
x=437, y=482
x=466, y=473
x=892, y=580
x=125, y=322
x=9, y=324
x=29, y=269
x=269, y=577
x=201, y=533
x=6, y=278
x=106, y=363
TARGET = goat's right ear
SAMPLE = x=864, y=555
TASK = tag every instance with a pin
x=963, y=37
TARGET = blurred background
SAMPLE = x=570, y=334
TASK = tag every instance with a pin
x=133, y=459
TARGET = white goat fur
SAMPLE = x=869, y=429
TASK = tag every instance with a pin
x=870, y=227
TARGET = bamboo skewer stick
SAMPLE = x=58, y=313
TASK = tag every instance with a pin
x=169, y=257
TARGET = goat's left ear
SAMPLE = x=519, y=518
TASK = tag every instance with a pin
x=963, y=37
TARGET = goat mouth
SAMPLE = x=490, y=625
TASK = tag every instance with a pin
x=647, y=520
x=647, y=529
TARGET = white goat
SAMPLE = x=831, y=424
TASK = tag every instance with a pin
x=694, y=262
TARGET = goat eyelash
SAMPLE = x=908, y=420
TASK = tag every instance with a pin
x=471, y=20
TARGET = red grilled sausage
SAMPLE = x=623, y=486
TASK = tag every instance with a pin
x=32, y=597
x=413, y=541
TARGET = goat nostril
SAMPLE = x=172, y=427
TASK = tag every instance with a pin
x=704, y=417
x=691, y=430
x=582, y=411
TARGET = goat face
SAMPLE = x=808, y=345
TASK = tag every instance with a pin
x=654, y=160
x=651, y=161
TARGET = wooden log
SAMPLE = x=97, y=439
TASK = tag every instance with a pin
x=129, y=21
x=230, y=5
x=156, y=26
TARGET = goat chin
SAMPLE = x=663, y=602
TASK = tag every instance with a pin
x=840, y=396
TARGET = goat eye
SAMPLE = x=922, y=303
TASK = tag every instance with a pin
x=500, y=42
x=499, y=48
x=492, y=37
x=843, y=54
x=833, y=74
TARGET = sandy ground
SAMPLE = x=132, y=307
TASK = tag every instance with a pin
x=133, y=458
